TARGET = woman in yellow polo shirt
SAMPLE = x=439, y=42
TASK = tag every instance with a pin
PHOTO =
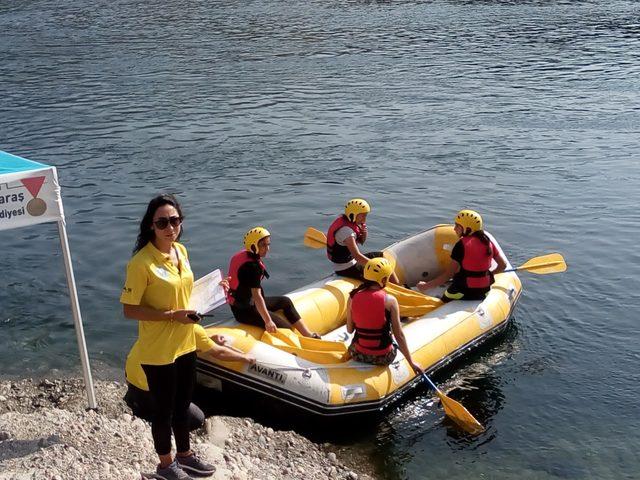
x=156, y=293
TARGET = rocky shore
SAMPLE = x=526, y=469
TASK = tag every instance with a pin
x=45, y=433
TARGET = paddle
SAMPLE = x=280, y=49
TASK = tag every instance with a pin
x=542, y=265
x=456, y=411
x=315, y=238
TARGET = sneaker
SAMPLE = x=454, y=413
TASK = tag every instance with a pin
x=193, y=464
x=172, y=472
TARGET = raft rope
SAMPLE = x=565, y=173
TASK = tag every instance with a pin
x=278, y=366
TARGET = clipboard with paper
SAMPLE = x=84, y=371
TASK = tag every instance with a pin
x=207, y=293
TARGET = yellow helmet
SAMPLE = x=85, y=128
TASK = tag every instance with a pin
x=377, y=270
x=253, y=236
x=469, y=220
x=354, y=207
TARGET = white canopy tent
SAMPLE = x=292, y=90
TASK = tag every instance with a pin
x=30, y=194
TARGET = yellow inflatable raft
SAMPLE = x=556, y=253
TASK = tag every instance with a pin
x=317, y=376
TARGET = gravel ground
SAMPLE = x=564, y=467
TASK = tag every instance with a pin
x=45, y=433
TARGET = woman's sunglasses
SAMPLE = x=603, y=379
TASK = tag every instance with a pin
x=164, y=222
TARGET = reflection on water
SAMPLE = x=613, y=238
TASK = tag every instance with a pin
x=275, y=112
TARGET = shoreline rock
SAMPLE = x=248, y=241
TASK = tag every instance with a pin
x=45, y=432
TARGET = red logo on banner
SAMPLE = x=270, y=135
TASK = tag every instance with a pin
x=33, y=184
x=36, y=206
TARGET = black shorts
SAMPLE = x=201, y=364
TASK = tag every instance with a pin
x=455, y=291
x=357, y=271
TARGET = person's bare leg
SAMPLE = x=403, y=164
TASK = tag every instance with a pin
x=302, y=328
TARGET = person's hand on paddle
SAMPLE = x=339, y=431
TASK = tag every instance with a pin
x=250, y=359
x=182, y=316
x=270, y=326
x=416, y=368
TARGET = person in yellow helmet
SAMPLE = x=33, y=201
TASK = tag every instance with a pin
x=343, y=237
x=374, y=315
x=244, y=288
x=471, y=260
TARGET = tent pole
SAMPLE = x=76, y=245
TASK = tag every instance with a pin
x=77, y=318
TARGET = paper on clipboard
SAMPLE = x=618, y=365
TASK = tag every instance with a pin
x=207, y=293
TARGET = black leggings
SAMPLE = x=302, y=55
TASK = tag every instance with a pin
x=171, y=387
x=251, y=316
x=141, y=405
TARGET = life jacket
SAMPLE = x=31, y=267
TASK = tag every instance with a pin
x=237, y=261
x=339, y=253
x=372, y=326
x=474, y=271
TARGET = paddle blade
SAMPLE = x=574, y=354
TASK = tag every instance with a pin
x=401, y=292
x=412, y=303
x=460, y=415
x=551, y=263
x=314, y=238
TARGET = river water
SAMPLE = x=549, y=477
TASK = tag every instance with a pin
x=275, y=113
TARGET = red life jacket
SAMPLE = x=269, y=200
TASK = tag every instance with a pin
x=236, y=262
x=373, y=328
x=476, y=263
x=339, y=253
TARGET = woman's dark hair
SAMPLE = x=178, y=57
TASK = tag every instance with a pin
x=479, y=234
x=146, y=234
x=363, y=286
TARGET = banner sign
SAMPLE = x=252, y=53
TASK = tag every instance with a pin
x=30, y=194
x=29, y=197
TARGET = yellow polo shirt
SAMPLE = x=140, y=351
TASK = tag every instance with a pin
x=133, y=368
x=154, y=282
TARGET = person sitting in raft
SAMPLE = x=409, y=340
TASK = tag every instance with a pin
x=138, y=397
x=244, y=291
x=343, y=237
x=471, y=262
x=374, y=315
